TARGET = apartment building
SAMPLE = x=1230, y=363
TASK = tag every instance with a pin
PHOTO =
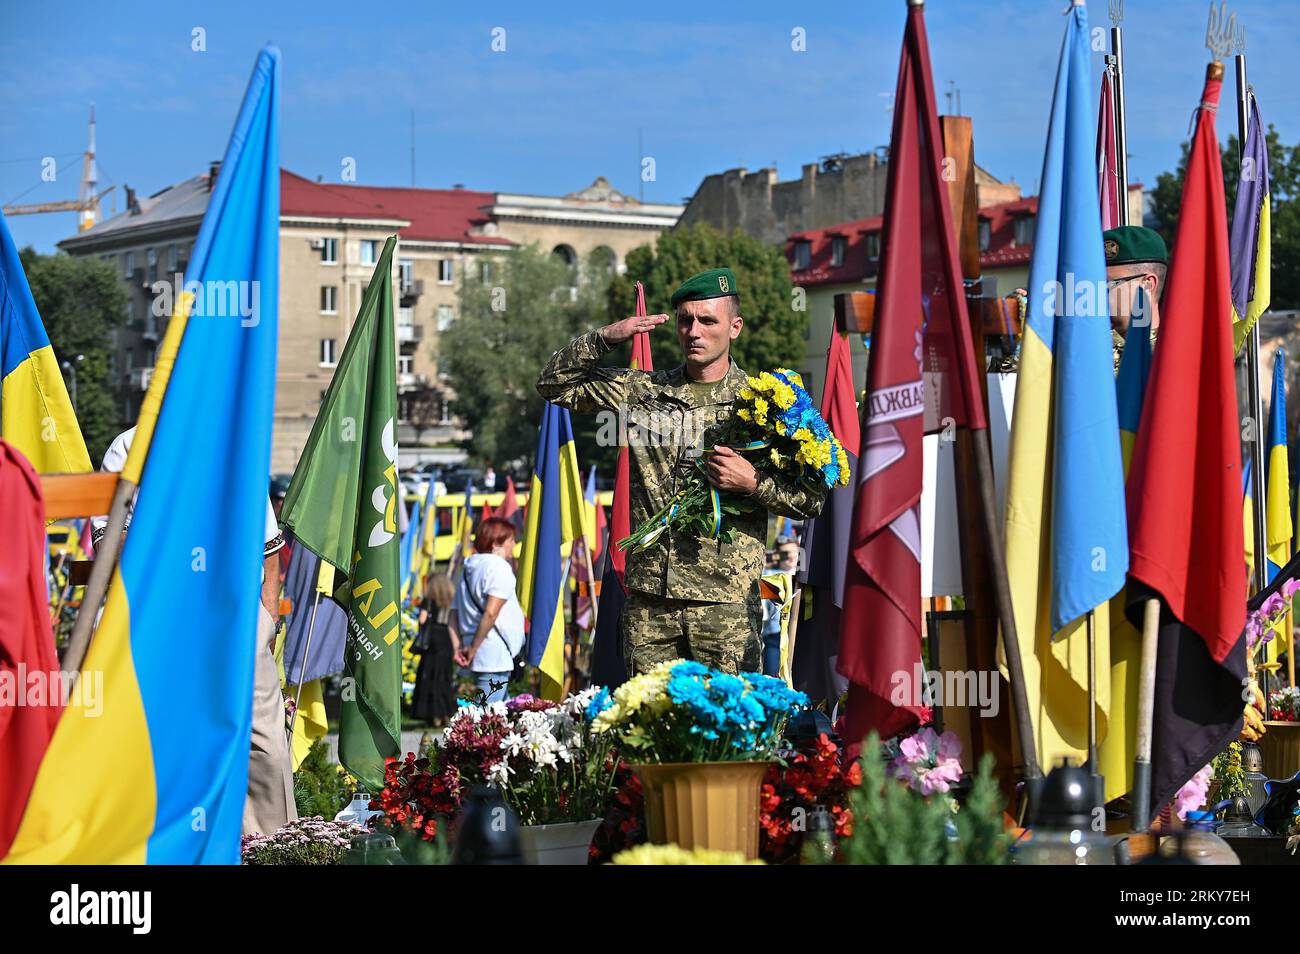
x=331, y=236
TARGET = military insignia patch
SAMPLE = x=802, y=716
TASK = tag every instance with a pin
x=1112, y=249
x=722, y=283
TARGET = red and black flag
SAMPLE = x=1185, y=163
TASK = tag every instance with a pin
x=608, y=667
x=1184, y=487
x=922, y=374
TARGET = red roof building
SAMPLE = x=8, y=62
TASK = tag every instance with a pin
x=435, y=215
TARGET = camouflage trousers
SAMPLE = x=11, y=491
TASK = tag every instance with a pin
x=722, y=635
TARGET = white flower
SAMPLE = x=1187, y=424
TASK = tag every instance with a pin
x=499, y=774
x=513, y=744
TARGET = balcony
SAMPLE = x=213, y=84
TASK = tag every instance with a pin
x=411, y=290
x=139, y=378
x=408, y=333
x=407, y=379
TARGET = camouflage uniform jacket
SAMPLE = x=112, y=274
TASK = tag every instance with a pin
x=665, y=420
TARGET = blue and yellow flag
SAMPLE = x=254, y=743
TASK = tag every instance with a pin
x=1277, y=506
x=1248, y=515
x=1131, y=381
x=555, y=518
x=1067, y=542
x=151, y=764
x=1250, y=242
x=411, y=546
x=35, y=413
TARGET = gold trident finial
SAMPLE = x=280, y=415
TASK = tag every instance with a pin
x=1221, y=32
x=1116, y=12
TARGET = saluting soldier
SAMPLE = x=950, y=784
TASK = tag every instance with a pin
x=689, y=596
x=1136, y=259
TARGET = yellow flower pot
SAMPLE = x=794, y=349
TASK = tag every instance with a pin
x=711, y=805
x=1280, y=746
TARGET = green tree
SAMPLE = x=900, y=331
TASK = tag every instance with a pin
x=1284, y=190
x=774, y=333
x=81, y=301
x=508, y=327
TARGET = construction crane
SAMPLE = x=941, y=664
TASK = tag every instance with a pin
x=87, y=202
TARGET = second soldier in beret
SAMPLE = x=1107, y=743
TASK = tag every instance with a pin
x=1137, y=261
x=688, y=596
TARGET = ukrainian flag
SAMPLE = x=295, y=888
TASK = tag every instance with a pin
x=35, y=413
x=160, y=775
x=1131, y=383
x=1067, y=540
x=411, y=545
x=1277, y=505
x=555, y=518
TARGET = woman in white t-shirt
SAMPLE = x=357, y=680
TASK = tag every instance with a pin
x=486, y=616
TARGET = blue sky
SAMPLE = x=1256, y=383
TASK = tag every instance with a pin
x=710, y=87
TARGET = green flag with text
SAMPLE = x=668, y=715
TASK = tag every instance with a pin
x=342, y=505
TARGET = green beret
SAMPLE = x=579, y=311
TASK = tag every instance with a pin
x=715, y=283
x=1132, y=245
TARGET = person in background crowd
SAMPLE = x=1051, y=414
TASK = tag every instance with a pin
x=489, y=479
x=784, y=559
x=486, y=619
x=434, y=700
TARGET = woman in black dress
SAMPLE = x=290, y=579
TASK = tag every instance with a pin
x=434, y=701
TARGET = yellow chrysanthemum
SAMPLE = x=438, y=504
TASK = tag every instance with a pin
x=744, y=414
x=783, y=394
x=746, y=394
x=778, y=458
x=803, y=435
x=673, y=855
x=760, y=412
x=780, y=428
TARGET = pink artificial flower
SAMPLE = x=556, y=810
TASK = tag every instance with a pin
x=1193, y=794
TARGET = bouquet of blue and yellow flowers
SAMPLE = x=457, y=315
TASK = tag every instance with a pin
x=683, y=711
x=780, y=431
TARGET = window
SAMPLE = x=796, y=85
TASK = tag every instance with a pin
x=1024, y=230
x=405, y=316
x=837, y=251
x=172, y=257
x=130, y=264
x=327, y=357
x=405, y=363
x=368, y=249
x=444, y=271
x=329, y=252
x=444, y=317
x=873, y=246
x=485, y=270
x=405, y=273
x=986, y=234
x=329, y=302
x=802, y=255
x=151, y=256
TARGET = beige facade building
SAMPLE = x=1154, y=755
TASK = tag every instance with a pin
x=331, y=236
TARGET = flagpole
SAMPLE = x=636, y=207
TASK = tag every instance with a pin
x=105, y=562
x=1146, y=704
x=1006, y=617
x=1117, y=96
x=1254, y=394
